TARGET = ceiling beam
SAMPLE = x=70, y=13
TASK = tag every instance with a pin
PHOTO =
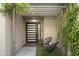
x=40, y=14
x=49, y=6
x=44, y=12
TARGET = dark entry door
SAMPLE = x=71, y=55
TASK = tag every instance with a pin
x=31, y=32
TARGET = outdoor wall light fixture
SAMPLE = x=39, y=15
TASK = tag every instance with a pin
x=32, y=13
x=34, y=19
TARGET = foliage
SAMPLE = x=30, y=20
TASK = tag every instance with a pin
x=69, y=30
x=20, y=7
x=40, y=42
x=41, y=52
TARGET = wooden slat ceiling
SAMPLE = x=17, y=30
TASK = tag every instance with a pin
x=45, y=9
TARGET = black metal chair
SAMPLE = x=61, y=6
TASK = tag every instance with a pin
x=47, y=40
x=51, y=47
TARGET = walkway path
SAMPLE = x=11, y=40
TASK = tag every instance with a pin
x=27, y=51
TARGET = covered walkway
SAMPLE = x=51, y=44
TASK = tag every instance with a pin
x=47, y=17
x=27, y=51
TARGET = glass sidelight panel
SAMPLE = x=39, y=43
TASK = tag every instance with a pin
x=32, y=35
x=32, y=31
x=31, y=26
x=31, y=40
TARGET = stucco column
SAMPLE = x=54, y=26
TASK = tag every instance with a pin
x=14, y=18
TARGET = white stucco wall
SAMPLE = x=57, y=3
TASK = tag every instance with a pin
x=5, y=35
x=20, y=37
x=50, y=27
x=19, y=34
x=8, y=32
x=2, y=35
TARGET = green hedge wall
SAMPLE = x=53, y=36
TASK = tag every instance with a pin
x=69, y=30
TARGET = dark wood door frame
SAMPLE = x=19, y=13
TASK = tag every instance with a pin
x=36, y=31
